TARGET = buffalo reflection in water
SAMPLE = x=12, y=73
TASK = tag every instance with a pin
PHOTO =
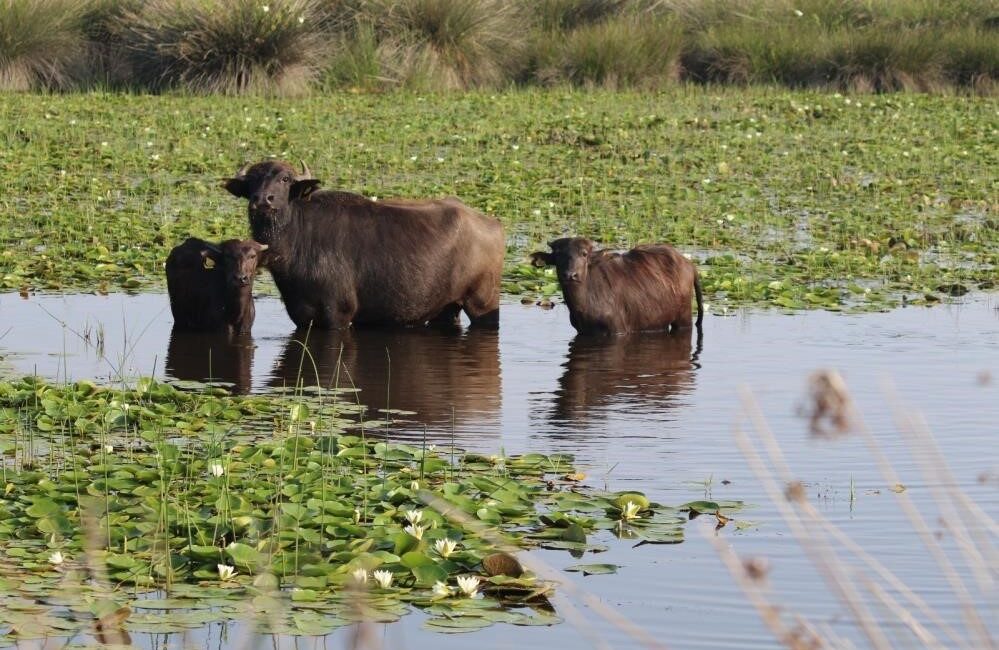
x=427, y=371
x=639, y=373
x=211, y=357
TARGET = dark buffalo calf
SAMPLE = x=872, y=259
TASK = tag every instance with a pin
x=340, y=259
x=211, y=287
x=645, y=289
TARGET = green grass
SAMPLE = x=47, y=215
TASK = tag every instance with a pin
x=794, y=199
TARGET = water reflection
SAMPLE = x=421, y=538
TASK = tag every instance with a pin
x=423, y=370
x=211, y=356
x=643, y=373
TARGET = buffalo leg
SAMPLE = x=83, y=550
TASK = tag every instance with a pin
x=303, y=315
x=684, y=322
x=449, y=317
x=339, y=316
x=482, y=302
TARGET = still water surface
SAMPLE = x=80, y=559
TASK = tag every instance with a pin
x=639, y=414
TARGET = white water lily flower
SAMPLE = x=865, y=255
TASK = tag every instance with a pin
x=383, y=578
x=630, y=511
x=57, y=558
x=441, y=589
x=469, y=585
x=415, y=530
x=445, y=547
x=414, y=516
x=357, y=515
x=226, y=572
x=414, y=486
x=359, y=575
x=108, y=449
x=216, y=469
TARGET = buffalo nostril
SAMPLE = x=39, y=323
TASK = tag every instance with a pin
x=270, y=199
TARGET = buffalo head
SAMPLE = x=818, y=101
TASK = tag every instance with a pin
x=570, y=256
x=240, y=259
x=270, y=186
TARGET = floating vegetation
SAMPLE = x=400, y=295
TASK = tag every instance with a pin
x=156, y=509
x=795, y=200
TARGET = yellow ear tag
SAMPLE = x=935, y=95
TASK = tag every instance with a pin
x=209, y=263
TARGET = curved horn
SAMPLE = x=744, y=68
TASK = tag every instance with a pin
x=242, y=170
x=306, y=173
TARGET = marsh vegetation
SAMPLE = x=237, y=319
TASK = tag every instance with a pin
x=291, y=47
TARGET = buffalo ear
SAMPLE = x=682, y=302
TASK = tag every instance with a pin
x=210, y=256
x=542, y=258
x=237, y=187
x=301, y=189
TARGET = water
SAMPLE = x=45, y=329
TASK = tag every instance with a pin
x=638, y=413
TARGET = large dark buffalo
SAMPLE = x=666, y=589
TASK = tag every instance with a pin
x=339, y=258
x=211, y=286
x=645, y=289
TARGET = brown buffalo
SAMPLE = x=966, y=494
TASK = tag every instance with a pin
x=645, y=289
x=339, y=258
x=211, y=287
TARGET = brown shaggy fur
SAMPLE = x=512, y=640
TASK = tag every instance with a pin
x=645, y=289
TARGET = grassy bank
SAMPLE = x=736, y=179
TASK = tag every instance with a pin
x=292, y=47
x=788, y=198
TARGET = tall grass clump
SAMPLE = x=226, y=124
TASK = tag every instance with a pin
x=888, y=60
x=869, y=45
x=562, y=15
x=226, y=46
x=743, y=54
x=631, y=50
x=440, y=44
x=40, y=43
x=356, y=59
x=107, y=64
x=972, y=57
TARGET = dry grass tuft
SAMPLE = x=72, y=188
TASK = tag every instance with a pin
x=229, y=47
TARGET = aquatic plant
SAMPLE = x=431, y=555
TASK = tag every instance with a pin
x=112, y=496
x=795, y=200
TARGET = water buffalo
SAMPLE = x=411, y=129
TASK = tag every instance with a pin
x=211, y=286
x=647, y=288
x=340, y=259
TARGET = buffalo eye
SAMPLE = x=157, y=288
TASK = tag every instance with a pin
x=286, y=179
